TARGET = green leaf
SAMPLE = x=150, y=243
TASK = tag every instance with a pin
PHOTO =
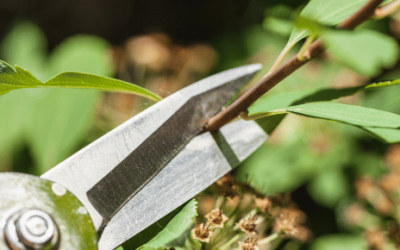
x=389, y=135
x=350, y=114
x=269, y=103
x=61, y=118
x=351, y=46
x=176, y=227
x=17, y=78
x=339, y=242
x=25, y=45
x=329, y=187
x=380, y=123
x=326, y=12
x=272, y=170
x=166, y=230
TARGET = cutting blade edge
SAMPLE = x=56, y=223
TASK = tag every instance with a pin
x=82, y=171
x=202, y=162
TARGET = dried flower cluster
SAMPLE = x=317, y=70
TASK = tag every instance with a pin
x=254, y=220
x=216, y=218
x=248, y=225
x=290, y=224
x=381, y=223
x=202, y=232
x=248, y=244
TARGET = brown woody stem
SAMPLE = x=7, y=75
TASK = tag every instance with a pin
x=387, y=9
x=286, y=69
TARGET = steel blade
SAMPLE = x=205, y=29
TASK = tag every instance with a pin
x=115, y=167
x=198, y=165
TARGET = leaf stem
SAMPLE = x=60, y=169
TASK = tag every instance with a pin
x=219, y=202
x=231, y=241
x=275, y=77
x=245, y=115
x=302, y=55
x=281, y=56
x=268, y=239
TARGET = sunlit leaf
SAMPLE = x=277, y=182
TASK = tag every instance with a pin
x=166, y=230
x=17, y=78
x=60, y=120
x=269, y=103
x=326, y=12
x=350, y=114
x=350, y=47
x=176, y=227
x=380, y=123
x=389, y=135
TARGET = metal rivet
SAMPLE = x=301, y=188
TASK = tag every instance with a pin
x=58, y=189
x=82, y=210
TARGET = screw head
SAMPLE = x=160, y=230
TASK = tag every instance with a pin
x=30, y=229
x=35, y=228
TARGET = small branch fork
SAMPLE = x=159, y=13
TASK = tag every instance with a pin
x=271, y=79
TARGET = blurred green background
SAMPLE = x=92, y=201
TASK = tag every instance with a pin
x=165, y=46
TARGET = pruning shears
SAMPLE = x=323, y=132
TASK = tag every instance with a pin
x=127, y=180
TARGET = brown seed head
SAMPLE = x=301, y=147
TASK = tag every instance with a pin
x=390, y=182
x=202, y=232
x=364, y=187
x=354, y=214
x=376, y=239
x=392, y=157
x=288, y=220
x=227, y=186
x=248, y=244
x=383, y=205
x=367, y=189
x=282, y=200
x=226, y=180
x=216, y=218
x=301, y=234
x=248, y=226
x=264, y=204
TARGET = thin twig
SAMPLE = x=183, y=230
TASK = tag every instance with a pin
x=273, y=78
x=387, y=9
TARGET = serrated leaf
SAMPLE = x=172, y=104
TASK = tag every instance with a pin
x=350, y=114
x=17, y=78
x=176, y=227
x=351, y=48
x=326, y=12
x=167, y=229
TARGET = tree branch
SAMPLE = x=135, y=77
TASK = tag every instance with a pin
x=286, y=69
x=387, y=9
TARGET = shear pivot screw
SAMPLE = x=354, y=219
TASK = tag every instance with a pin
x=30, y=229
